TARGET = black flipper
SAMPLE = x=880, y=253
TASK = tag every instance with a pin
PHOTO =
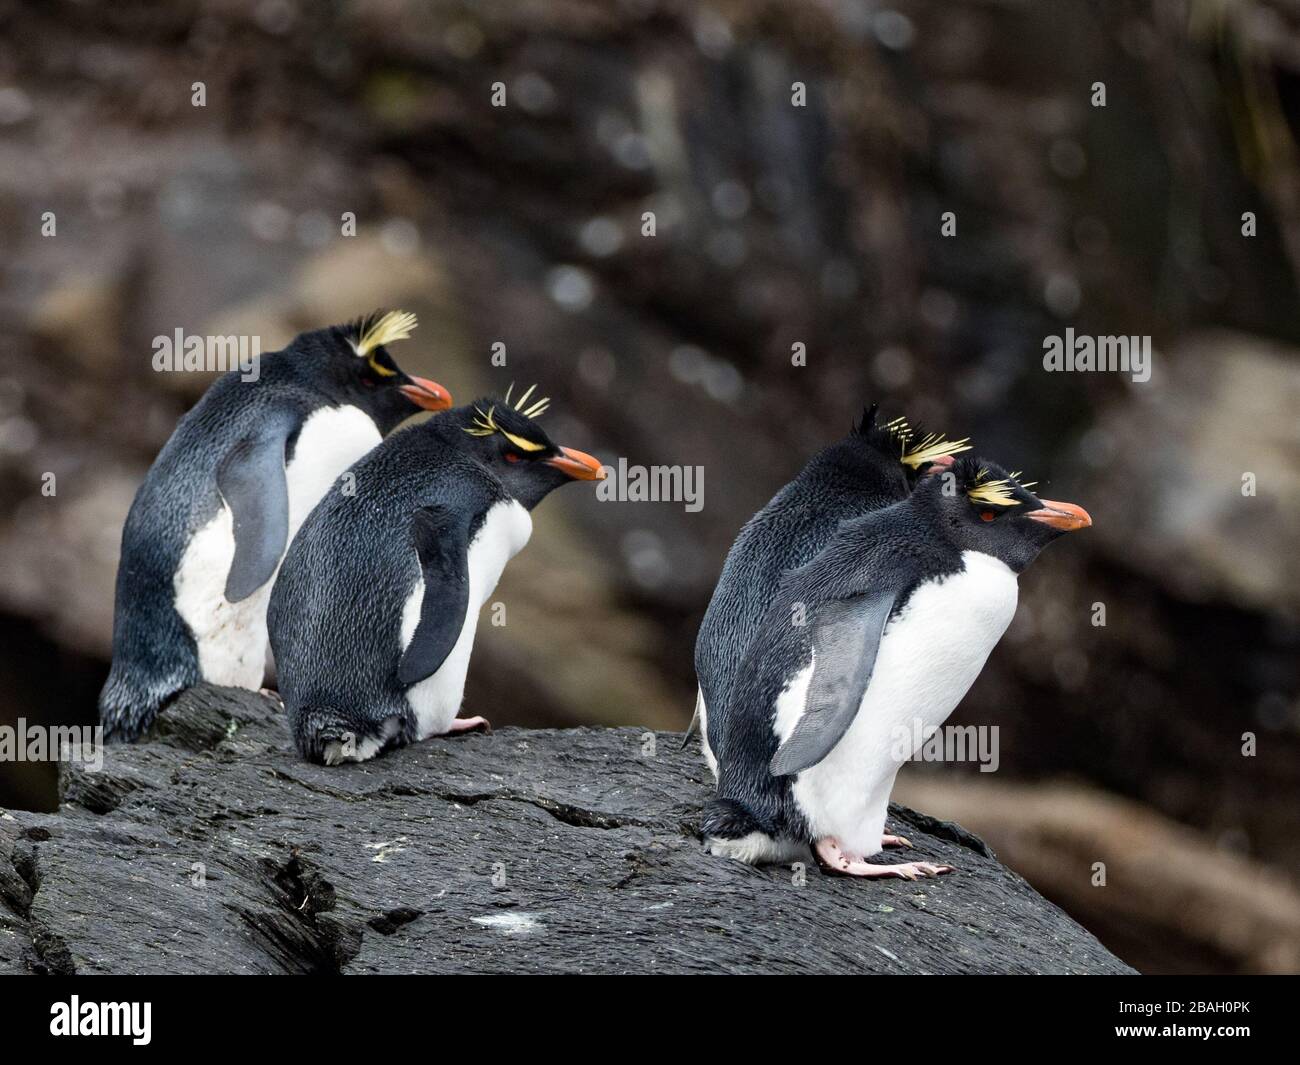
x=441, y=537
x=251, y=481
x=846, y=638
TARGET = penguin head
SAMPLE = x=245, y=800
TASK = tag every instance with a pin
x=351, y=364
x=903, y=450
x=984, y=508
x=509, y=441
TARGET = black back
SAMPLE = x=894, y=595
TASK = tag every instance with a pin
x=859, y=474
x=888, y=547
x=154, y=654
x=336, y=608
x=883, y=555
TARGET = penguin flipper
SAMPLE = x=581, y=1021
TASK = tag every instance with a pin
x=252, y=482
x=846, y=638
x=441, y=537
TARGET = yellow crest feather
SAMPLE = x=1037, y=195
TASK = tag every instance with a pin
x=483, y=424
x=521, y=443
x=486, y=425
x=930, y=447
x=538, y=407
x=376, y=332
x=996, y=493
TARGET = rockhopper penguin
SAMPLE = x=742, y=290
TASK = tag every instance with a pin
x=874, y=466
x=224, y=497
x=886, y=629
x=373, y=615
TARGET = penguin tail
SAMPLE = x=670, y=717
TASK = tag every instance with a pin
x=693, y=728
x=331, y=735
x=732, y=831
x=728, y=819
x=129, y=705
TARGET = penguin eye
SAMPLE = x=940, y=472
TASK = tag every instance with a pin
x=511, y=457
x=379, y=368
x=987, y=515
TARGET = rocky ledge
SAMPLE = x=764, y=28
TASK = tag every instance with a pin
x=211, y=848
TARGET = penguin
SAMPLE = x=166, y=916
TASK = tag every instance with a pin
x=373, y=615
x=224, y=497
x=874, y=466
x=887, y=628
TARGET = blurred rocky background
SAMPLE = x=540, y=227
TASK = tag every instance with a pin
x=775, y=225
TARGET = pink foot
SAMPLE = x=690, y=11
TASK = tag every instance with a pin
x=834, y=860
x=894, y=841
x=470, y=724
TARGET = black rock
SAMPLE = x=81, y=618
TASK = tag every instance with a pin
x=210, y=848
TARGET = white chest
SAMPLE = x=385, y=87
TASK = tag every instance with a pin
x=929, y=657
x=231, y=637
x=934, y=649
x=331, y=440
x=436, y=700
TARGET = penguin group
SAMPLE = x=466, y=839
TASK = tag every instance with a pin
x=855, y=609
x=875, y=465
x=210, y=524
x=282, y=522
x=286, y=523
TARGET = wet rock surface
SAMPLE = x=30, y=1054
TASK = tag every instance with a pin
x=210, y=848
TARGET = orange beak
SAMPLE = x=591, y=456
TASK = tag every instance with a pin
x=1064, y=516
x=427, y=394
x=578, y=465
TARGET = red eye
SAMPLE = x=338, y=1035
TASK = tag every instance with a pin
x=987, y=515
x=511, y=457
